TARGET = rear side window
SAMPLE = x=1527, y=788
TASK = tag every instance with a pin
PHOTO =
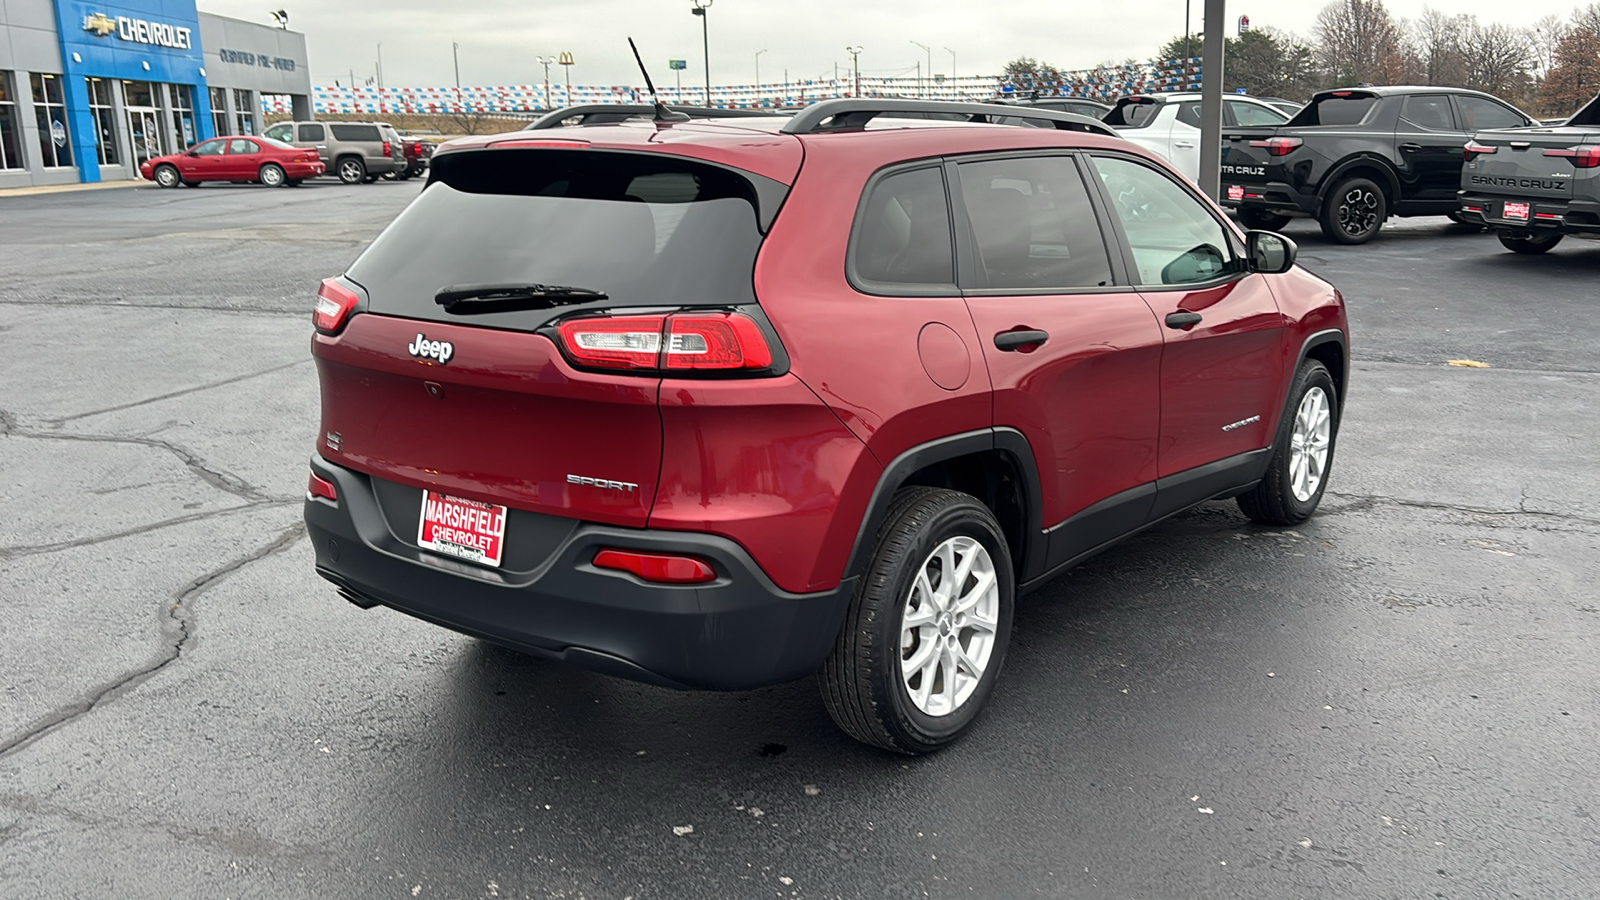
x=1033, y=225
x=1430, y=111
x=1342, y=108
x=1133, y=114
x=241, y=146
x=312, y=133
x=283, y=132
x=903, y=235
x=1478, y=113
x=1249, y=115
x=646, y=229
x=355, y=132
x=1189, y=114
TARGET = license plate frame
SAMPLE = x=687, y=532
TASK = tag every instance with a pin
x=463, y=529
x=1235, y=192
x=1513, y=211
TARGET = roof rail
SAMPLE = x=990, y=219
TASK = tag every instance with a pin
x=607, y=113
x=840, y=115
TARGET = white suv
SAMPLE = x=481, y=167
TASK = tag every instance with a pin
x=1169, y=124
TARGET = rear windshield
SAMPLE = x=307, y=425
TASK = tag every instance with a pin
x=1336, y=110
x=355, y=132
x=647, y=229
x=1132, y=114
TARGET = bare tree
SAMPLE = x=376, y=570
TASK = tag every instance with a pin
x=1544, y=35
x=1359, y=42
x=1499, y=61
x=1438, y=41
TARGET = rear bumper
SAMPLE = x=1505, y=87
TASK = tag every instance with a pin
x=1270, y=195
x=1576, y=216
x=304, y=170
x=737, y=632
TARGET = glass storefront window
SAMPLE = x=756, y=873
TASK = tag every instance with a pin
x=49, y=107
x=219, y=111
x=105, y=120
x=139, y=93
x=145, y=133
x=245, y=105
x=180, y=101
x=10, y=150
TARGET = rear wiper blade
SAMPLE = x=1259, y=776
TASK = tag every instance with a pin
x=467, y=299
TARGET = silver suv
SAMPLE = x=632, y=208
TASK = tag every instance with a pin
x=354, y=151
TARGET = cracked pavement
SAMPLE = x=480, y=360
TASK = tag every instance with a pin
x=1396, y=699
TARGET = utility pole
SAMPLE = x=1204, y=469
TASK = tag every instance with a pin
x=953, y=71
x=547, y=61
x=1188, y=51
x=758, y=70
x=380, y=65
x=455, y=54
x=855, y=65
x=922, y=86
x=700, y=8
x=1211, y=74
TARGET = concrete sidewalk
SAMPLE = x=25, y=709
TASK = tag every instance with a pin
x=65, y=188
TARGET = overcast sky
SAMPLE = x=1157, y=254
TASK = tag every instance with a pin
x=500, y=39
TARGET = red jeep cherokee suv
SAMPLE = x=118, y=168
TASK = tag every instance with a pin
x=718, y=404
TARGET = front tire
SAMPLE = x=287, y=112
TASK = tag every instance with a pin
x=271, y=175
x=1302, y=454
x=167, y=176
x=926, y=633
x=352, y=170
x=1529, y=244
x=1354, y=211
x=1262, y=219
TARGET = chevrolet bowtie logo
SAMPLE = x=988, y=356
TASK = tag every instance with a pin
x=100, y=24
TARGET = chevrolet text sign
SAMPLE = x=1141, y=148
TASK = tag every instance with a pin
x=140, y=31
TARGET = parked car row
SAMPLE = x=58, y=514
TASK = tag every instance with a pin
x=290, y=152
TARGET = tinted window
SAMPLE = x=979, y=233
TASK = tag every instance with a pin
x=1033, y=225
x=211, y=148
x=1430, y=111
x=647, y=229
x=1350, y=109
x=1189, y=114
x=1132, y=114
x=1175, y=240
x=1250, y=115
x=277, y=144
x=283, y=132
x=1478, y=113
x=904, y=234
x=312, y=133
x=240, y=145
x=355, y=132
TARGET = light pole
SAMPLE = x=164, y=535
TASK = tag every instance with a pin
x=380, y=65
x=700, y=7
x=455, y=54
x=758, y=70
x=547, y=62
x=953, y=71
x=924, y=86
x=855, y=66
x=1187, y=50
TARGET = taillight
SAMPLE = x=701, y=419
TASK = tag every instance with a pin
x=681, y=342
x=1473, y=150
x=658, y=567
x=385, y=148
x=1278, y=146
x=321, y=487
x=1585, y=157
x=334, y=304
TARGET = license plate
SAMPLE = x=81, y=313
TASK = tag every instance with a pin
x=1235, y=192
x=1515, y=211
x=465, y=529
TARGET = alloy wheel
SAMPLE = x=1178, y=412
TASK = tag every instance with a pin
x=1309, y=444
x=948, y=626
x=1358, y=211
x=271, y=176
x=166, y=176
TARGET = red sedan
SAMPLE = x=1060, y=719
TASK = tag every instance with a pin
x=273, y=163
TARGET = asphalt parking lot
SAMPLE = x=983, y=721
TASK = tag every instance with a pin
x=1397, y=699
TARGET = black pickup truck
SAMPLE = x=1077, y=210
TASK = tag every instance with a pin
x=1534, y=186
x=1354, y=157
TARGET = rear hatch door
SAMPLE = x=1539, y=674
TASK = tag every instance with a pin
x=477, y=400
x=1529, y=163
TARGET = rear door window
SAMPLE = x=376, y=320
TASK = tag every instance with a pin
x=646, y=229
x=312, y=133
x=241, y=146
x=355, y=132
x=1338, y=108
x=1429, y=111
x=902, y=235
x=1132, y=113
x=1033, y=226
x=1251, y=115
x=284, y=132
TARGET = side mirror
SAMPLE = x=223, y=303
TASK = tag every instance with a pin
x=1270, y=253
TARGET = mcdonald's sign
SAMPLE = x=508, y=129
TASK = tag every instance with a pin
x=566, y=58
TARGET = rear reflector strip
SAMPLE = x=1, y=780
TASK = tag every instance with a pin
x=1551, y=216
x=321, y=487
x=657, y=567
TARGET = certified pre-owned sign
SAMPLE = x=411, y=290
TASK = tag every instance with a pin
x=139, y=31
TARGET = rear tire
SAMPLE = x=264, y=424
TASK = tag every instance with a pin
x=1529, y=244
x=167, y=176
x=271, y=175
x=1302, y=454
x=1354, y=211
x=1262, y=219
x=939, y=589
x=351, y=170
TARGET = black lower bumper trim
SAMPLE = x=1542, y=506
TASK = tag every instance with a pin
x=740, y=631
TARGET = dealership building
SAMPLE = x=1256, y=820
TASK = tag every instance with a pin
x=88, y=91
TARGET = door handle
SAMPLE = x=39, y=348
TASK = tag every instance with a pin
x=1016, y=340
x=1182, y=319
x=1183, y=145
x=1409, y=147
